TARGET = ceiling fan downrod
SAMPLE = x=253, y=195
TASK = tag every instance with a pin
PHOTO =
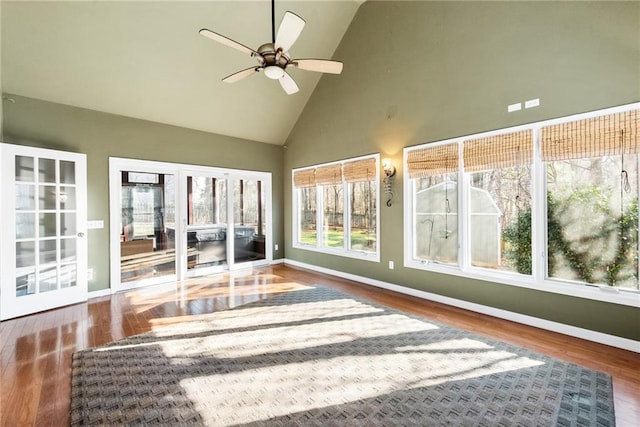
x=273, y=21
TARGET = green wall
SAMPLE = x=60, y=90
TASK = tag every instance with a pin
x=414, y=72
x=100, y=136
x=418, y=72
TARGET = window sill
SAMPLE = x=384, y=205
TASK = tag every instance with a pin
x=365, y=256
x=602, y=293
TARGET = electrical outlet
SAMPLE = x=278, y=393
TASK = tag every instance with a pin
x=391, y=265
x=89, y=274
x=275, y=247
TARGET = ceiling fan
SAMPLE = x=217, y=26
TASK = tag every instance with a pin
x=273, y=58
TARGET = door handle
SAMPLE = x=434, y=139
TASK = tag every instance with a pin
x=81, y=234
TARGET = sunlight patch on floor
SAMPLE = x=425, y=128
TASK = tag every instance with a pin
x=276, y=390
x=252, y=317
x=279, y=339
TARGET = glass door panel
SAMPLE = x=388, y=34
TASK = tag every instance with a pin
x=147, y=237
x=25, y=214
x=249, y=214
x=206, y=222
x=25, y=268
x=44, y=213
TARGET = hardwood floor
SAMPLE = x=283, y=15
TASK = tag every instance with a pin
x=35, y=351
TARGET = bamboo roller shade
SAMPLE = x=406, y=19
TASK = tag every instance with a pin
x=304, y=178
x=329, y=175
x=498, y=151
x=360, y=170
x=613, y=134
x=430, y=161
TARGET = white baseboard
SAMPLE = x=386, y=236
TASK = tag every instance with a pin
x=277, y=261
x=562, y=328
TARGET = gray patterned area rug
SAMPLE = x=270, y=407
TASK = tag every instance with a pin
x=318, y=357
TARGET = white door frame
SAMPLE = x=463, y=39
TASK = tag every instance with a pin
x=181, y=171
x=10, y=304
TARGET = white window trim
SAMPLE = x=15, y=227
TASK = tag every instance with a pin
x=319, y=247
x=537, y=280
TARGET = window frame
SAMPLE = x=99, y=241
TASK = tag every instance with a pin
x=538, y=280
x=319, y=246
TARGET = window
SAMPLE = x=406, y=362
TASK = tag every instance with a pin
x=592, y=199
x=304, y=187
x=361, y=178
x=499, y=201
x=336, y=208
x=433, y=171
x=551, y=205
x=329, y=180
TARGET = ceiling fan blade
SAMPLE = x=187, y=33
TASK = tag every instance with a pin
x=287, y=83
x=319, y=65
x=240, y=75
x=228, y=42
x=289, y=31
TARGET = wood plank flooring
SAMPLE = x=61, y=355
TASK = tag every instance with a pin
x=36, y=350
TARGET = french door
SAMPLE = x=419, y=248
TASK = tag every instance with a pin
x=43, y=248
x=171, y=221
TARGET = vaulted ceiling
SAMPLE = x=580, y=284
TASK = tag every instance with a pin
x=146, y=59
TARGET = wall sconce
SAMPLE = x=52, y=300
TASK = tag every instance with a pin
x=389, y=171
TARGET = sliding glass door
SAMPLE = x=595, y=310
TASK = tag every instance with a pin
x=147, y=226
x=175, y=221
x=211, y=236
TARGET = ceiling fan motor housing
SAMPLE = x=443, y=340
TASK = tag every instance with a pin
x=275, y=61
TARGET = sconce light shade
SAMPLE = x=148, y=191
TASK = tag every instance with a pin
x=388, y=167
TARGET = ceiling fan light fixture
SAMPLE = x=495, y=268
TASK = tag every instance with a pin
x=274, y=72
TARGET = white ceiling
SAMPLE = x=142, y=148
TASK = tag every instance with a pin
x=146, y=59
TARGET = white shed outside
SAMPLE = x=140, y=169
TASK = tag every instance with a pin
x=437, y=225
